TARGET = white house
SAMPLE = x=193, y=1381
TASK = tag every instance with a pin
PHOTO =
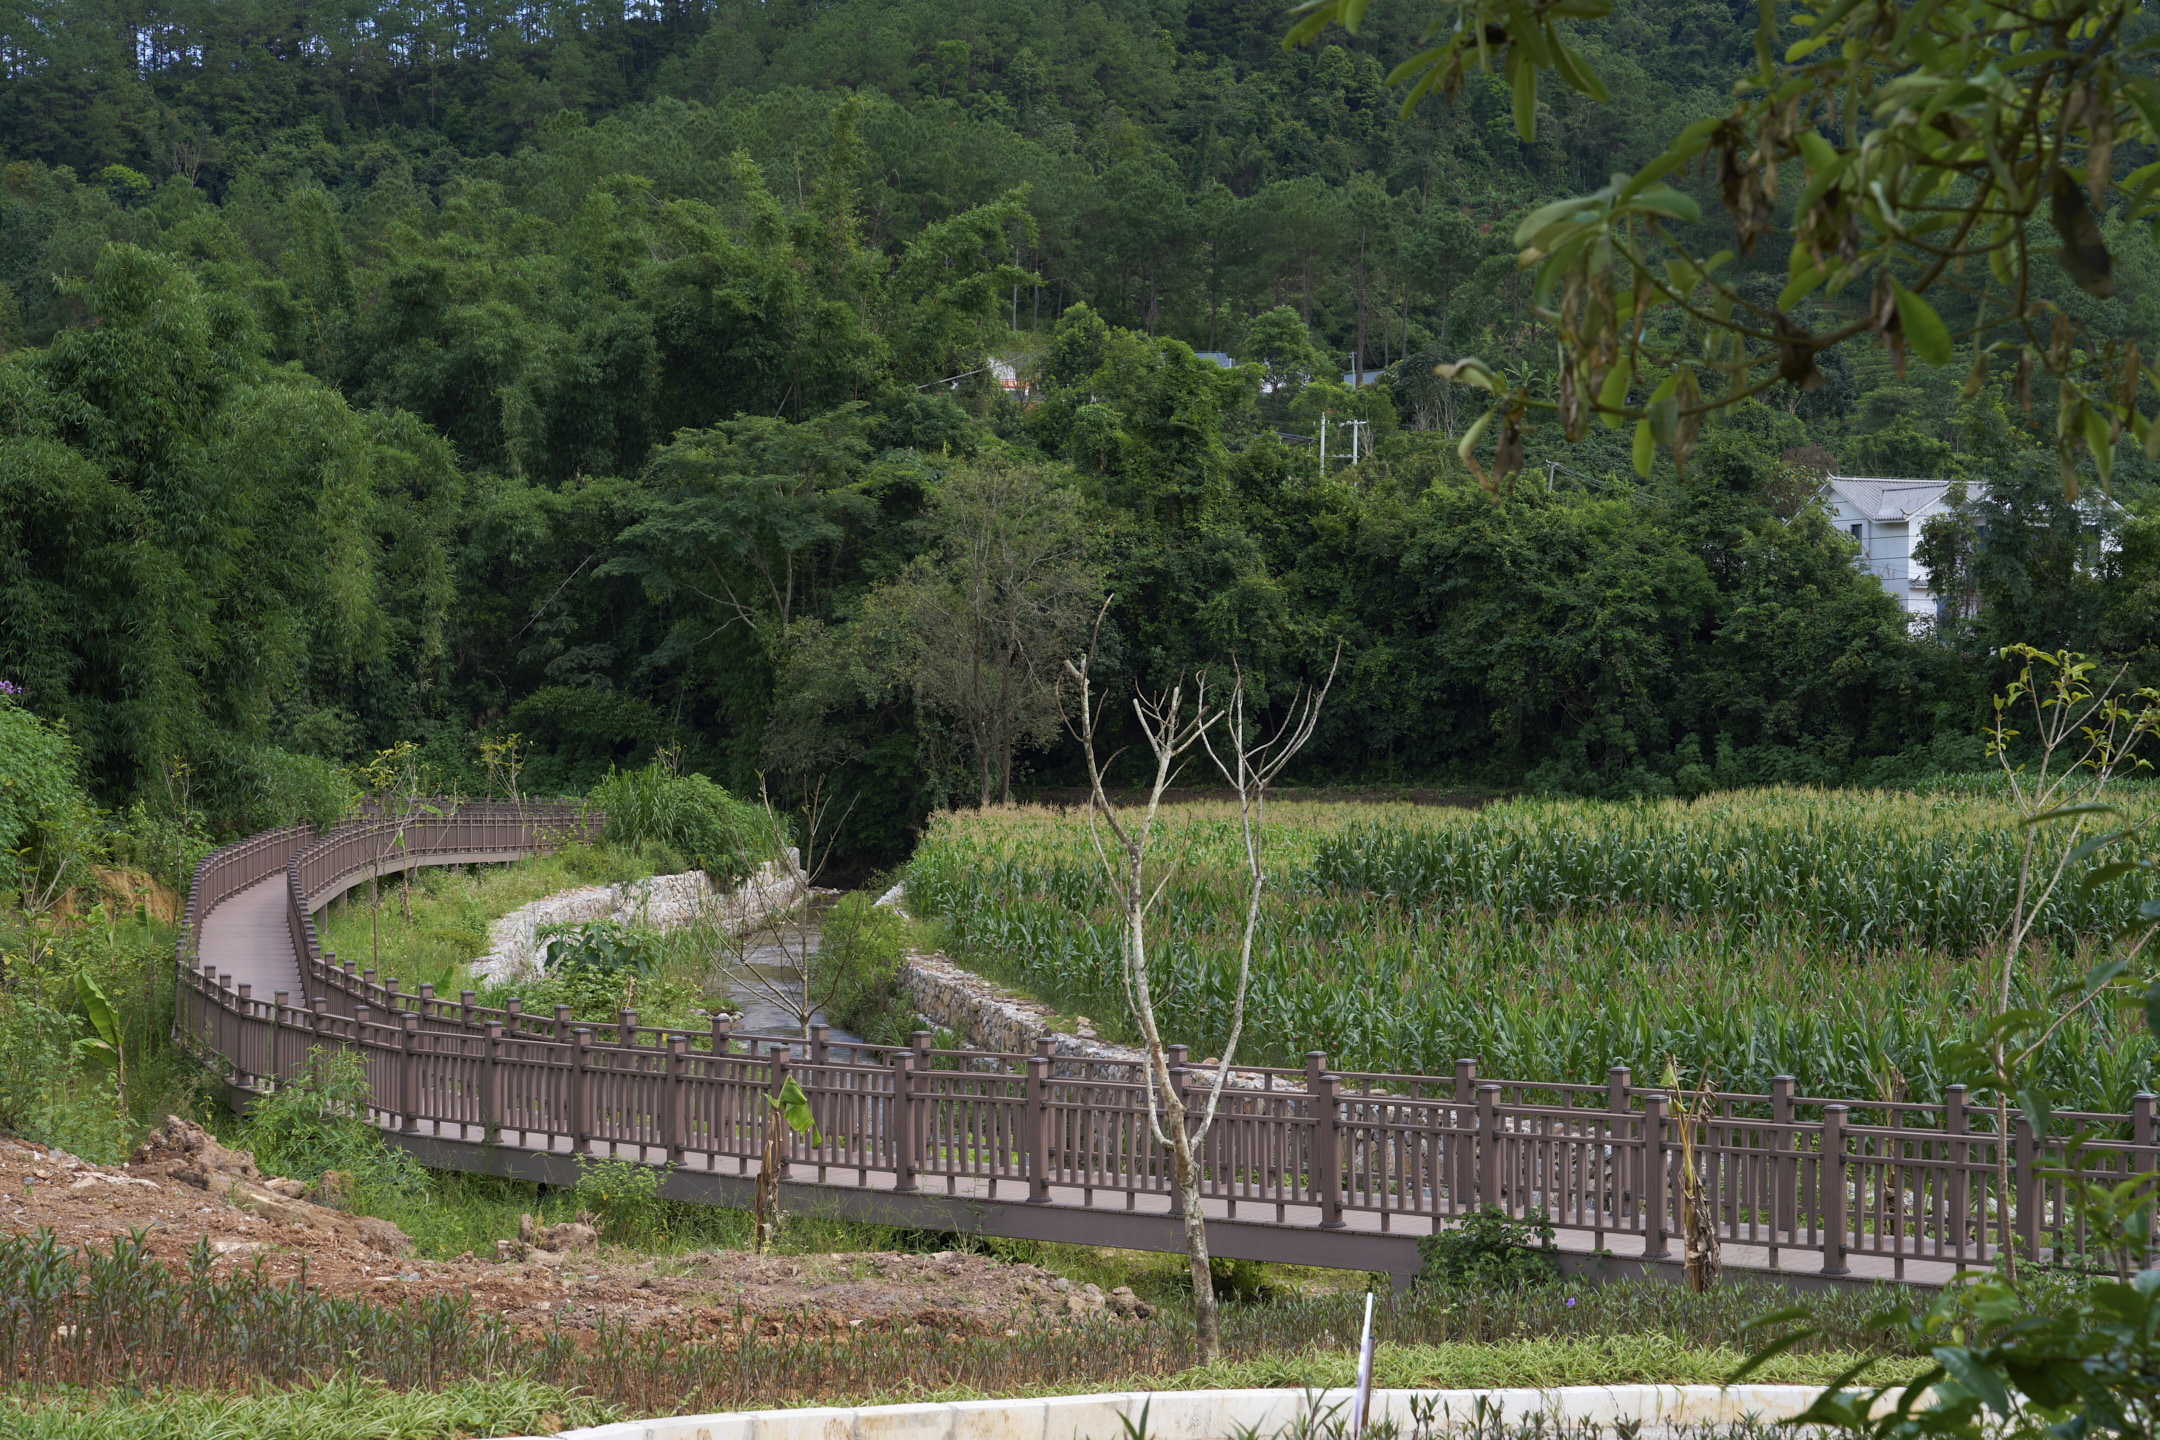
x=1885, y=516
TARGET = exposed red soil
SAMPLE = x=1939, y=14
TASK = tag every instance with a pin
x=249, y=1222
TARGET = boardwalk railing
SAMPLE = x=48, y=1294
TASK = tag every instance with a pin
x=1818, y=1177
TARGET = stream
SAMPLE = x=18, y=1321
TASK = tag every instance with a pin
x=762, y=1013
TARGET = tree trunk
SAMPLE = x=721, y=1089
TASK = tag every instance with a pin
x=1357, y=361
x=1207, y=1315
x=766, y=1197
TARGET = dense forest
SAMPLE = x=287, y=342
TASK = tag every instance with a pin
x=785, y=386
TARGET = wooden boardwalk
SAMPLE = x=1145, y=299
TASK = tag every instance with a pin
x=1304, y=1167
x=247, y=936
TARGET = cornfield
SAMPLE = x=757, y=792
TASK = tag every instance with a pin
x=1838, y=938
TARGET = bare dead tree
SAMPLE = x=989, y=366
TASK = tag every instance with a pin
x=1122, y=844
x=802, y=986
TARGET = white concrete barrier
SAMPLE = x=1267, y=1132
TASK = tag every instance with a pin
x=1218, y=1414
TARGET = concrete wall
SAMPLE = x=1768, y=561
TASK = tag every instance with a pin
x=1216, y=1414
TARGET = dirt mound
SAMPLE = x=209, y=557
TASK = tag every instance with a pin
x=183, y=1186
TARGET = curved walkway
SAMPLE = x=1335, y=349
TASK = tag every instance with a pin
x=1304, y=1167
x=247, y=936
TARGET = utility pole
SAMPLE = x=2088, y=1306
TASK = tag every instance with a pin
x=1356, y=428
x=1323, y=444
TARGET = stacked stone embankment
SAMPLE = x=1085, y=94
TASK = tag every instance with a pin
x=516, y=942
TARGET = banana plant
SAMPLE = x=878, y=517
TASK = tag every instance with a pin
x=108, y=1047
x=789, y=1110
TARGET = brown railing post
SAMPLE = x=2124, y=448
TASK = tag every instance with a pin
x=1488, y=1146
x=580, y=1094
x=1656, y=1180
x=721, y=1024
x=1957, y=1155
x=409, y=1075
x=1038, y=1126
x=1830, y=1162
x=903, y=1124
x=820, y=1045
x=491, y=1087
x=1784, y=1192
x=1174, y=1058
x=2025, y=1179
x=626, y=1028
x=563, y=1027
x=2142, y=1135
x=921, y=1088
x=242, y=1025
x=1608, y=1186
x=1462, y=1179
x=677, y=1127
x=277, y=1035
x=1327, y=1151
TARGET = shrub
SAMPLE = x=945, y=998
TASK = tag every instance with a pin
x=1237, y=1282
x=44, y=1095
x=602, y=948
x=1491, y=1250
x=37, y=783
x=860, y=948
x=717, y=833
x=603, y=967
x=317, y=1121
x=623, y=1196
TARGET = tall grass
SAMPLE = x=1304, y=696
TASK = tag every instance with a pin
x=453, y=906
x=1827, y=936
x=92, y=1321
x=719, y=834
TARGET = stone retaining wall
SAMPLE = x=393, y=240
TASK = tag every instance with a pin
x=662, y=902
x=990, y=1017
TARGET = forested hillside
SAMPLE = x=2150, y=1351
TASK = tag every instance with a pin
x=630, y=380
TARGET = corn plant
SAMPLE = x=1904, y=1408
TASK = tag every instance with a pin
x=1553, y=939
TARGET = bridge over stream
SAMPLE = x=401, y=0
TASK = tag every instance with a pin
x=1303, y=1166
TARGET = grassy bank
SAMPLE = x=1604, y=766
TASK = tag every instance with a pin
x=343, y=1407
x=427, y=931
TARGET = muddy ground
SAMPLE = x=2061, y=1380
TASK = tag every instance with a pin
x=256, y=1221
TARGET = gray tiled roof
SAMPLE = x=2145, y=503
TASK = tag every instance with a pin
x=1888, y=499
